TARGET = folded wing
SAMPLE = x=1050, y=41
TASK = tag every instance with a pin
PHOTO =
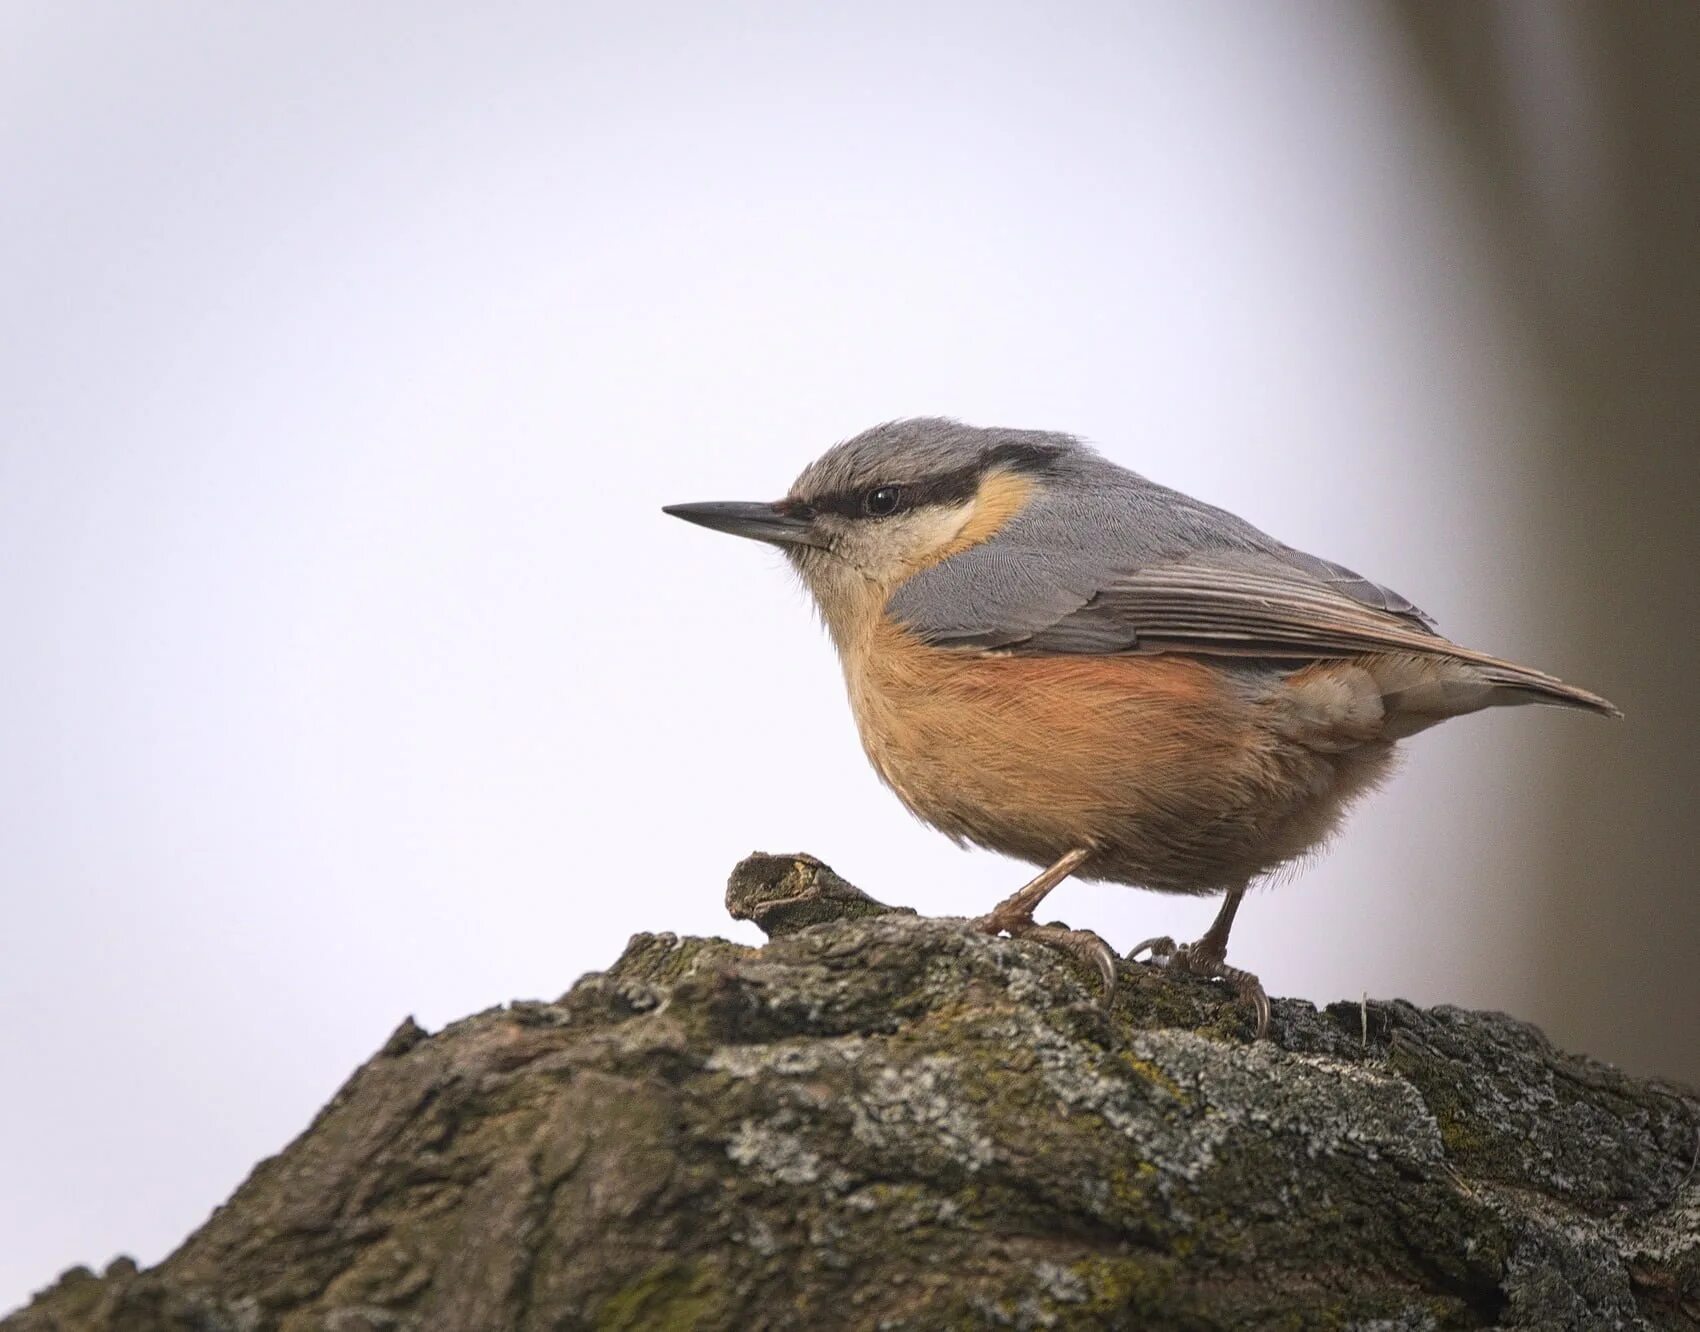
x=1245, y=598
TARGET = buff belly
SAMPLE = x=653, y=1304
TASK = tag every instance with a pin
x=1181, y=774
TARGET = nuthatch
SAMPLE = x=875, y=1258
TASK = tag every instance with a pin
x=1052, y=657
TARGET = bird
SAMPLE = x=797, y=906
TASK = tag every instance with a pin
x=1050, y=656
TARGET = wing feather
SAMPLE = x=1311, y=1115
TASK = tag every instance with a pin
x=1235, y=610
x=1112, y=563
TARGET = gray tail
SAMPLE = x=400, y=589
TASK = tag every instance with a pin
x=1420, y=691
x=1518, y=684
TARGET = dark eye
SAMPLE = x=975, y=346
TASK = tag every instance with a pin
x=882, y=501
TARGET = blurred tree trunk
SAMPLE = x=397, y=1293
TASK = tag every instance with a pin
x=1578, y=129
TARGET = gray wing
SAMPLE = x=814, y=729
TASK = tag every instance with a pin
x=1114, y=563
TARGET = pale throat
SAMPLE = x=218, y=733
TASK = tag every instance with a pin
x=852, y=592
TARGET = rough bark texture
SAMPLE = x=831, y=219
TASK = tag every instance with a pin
x=881, y=1121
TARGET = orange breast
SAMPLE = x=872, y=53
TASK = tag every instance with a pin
x=1036, y=755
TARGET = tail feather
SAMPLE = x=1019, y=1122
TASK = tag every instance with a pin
x=1418, y=692
x=1521, y=685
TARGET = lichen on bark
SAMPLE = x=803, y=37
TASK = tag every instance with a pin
x=883, y=1121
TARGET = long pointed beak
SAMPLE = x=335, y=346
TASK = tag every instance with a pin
x=759, y=522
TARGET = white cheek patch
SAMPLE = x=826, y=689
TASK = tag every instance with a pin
x=936, y=528
x=868, y=559
x=898, y=546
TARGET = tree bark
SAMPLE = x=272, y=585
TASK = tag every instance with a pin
x=879, y=1120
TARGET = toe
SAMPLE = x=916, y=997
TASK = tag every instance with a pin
x=1160, y=947
x=1248, y=989
x=1251, y=991
x=1104, y=957
x=993, y=923
x=1207, y=964
x=1084, y=946
x=1261, y=1001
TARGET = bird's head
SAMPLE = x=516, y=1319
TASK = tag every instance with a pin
x=875, y=510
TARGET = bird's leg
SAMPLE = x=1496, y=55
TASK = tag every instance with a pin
x=1014, y=916
x=1015, y=913
x=1207, y=958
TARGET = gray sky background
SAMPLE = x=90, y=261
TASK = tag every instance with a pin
x=349, y=351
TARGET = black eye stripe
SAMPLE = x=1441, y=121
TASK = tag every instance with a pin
x=951, y=487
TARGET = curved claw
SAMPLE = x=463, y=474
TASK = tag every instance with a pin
x=1189, y=959
x=1082, y=945
x=1249, y=989
x=1104, y=956
x=1085, y=946
x=1260, y=1001
x=1161, y=947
